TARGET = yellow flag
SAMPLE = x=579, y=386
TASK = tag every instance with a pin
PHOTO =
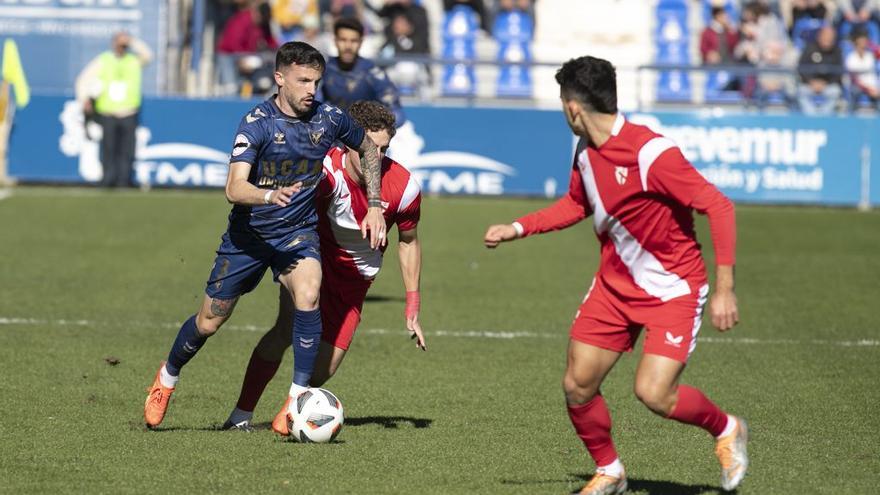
x=14, y=73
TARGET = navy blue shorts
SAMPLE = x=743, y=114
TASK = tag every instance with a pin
x=243, y=258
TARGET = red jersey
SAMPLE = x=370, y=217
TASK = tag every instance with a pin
x=342, y=206
x=641, y=191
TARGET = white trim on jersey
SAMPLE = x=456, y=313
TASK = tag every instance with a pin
x=698, y=319
x=347, y=230
x=618, y=124
x=645, y=269
x=409, y=194
x=649, y=154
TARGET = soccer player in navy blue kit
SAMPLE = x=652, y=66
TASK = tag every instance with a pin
x=276, y=162
x=350, y=77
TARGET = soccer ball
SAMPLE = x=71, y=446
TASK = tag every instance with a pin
x=315, y=416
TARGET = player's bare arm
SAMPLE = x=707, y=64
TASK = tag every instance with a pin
x=496, y=234
x=410, y=254
x=722, y=306
x=372, y=170
x=241, y=192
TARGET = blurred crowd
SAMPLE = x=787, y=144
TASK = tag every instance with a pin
x=819, y=56
x=250, y=30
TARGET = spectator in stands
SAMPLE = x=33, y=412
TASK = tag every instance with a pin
x=409, y=76
x=861, y=64
x=476, y=5
x=768, y=26
x=820, y=67
x=774, y=86
x=858, y=13
x=795, y=10
x=346, y=9
x=719, y=39
x=297, y=20
x=524, y=6
x=244, y=37
x=416, y=16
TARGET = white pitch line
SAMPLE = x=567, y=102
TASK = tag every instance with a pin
x=464, y=334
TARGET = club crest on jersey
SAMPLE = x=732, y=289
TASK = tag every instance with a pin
x=351, y=84
x=384, y=204
x=620, y=174
x=316, y=136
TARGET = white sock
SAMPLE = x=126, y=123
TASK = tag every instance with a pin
x=615, y=469
x=295, y=390
x=237, y=416
x=731, y=425
x=167, y=379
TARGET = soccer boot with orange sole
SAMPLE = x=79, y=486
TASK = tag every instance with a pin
x=279, y=424
x=602, y=484
x=157, y=401
x=732, y=454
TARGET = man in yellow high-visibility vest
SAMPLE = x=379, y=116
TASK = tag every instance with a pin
x=109, y=89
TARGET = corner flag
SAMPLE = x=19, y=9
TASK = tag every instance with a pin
x=13, y=73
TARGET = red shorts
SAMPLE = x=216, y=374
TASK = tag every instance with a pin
x=605, y=321
x=341, y=306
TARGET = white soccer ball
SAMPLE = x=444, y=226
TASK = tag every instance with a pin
x=315, y=416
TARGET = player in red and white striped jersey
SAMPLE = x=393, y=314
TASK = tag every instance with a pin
x=348, y=263
x=640, y=191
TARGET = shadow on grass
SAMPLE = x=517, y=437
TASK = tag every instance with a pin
x=651, y=487
x=391, y=422
x=381, y=298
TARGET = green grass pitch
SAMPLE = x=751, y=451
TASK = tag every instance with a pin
x=88, y=275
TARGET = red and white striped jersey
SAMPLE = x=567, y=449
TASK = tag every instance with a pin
x=342, y=206
x=641, y=191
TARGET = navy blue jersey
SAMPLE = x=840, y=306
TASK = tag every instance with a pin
x=364, y=81
x=282, y=151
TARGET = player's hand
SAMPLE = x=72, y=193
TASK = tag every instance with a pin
x=281, y=197
x=374, y=223
x=415, y=330
x=498, y=234
x=722, y=309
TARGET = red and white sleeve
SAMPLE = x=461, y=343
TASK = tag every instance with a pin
x=672, y=175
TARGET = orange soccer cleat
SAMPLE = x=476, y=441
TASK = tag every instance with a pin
x=157, y=401
x=732, y=454
x=602, y=484
x=279, y=424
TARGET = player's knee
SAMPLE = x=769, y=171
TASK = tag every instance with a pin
x=307, y=298
x=209, y=324
x=654, y=397
x=578, y=391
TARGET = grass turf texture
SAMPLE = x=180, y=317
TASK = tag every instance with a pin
x=472, y=415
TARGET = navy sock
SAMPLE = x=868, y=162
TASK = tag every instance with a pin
x=186, y=345
x=306, y=339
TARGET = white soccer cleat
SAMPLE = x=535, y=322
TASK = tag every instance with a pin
x=732, y=454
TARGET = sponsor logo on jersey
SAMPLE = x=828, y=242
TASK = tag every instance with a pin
x=279, y=138
x=316, y=135
x=673, y=340
x=620, y=174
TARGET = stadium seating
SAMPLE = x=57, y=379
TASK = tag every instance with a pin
x=672, y=39
x=513, y=31
x=459, y=35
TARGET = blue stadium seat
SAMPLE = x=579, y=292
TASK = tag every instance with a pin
x=459, y=34
x=514, y=77
x=513, y=26
x=673, y=86
x=459, y=80
x=460, y=22
x=873, y=30
x=716, y=82
x=671, y=39
x=804, y=31
x=460, y=49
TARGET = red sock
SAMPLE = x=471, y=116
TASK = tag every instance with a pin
x=592, y=422
x=694, y=408
x=259, y=373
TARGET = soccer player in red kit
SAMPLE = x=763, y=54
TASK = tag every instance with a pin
x=640, y=191
x=349, y=265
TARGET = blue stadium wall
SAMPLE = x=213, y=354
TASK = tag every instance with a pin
x=750, y=157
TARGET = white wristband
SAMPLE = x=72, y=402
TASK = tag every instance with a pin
x=268, y=197
x=519, y=229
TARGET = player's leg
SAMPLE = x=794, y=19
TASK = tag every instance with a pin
x=599, y=335
x=235, y=272
x=671, y=337
x=108, y=150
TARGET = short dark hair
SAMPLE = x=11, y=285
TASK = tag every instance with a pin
x=373, y=116
x=299, y=53
x=590, y=80
x=717, y=10
x=859, y=32
x=348, y=23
